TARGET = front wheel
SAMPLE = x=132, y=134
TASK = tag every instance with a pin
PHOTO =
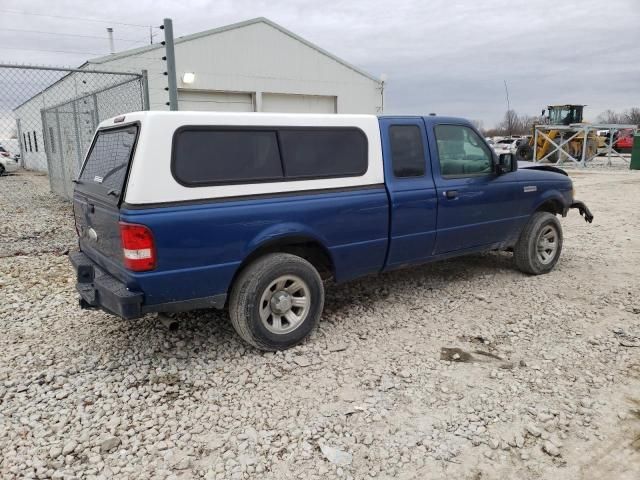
x=540, y=244
x=276, y=301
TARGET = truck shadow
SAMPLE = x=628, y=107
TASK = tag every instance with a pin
x=425, y=278
x=212, y=329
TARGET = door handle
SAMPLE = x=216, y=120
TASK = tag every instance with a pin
x=451, y=194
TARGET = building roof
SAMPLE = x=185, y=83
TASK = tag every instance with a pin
x=86, y=66
x=233, y=26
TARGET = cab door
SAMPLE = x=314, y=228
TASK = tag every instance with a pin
x=412, y=193
x=476, y=206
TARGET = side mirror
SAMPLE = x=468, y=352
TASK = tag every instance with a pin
x=506, y=162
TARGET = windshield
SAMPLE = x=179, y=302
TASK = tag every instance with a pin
x=105, y=170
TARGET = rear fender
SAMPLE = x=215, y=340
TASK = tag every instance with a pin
x=276, y=238
x=283, y=231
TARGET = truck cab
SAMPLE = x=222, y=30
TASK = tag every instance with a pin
x=251, y=212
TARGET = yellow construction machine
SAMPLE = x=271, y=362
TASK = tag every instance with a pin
x=567, y=118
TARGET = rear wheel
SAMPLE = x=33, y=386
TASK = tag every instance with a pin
x=540, y=244
x=1, y=169
x=276, y=301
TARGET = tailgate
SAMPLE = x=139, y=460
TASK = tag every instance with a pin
x=98, y=192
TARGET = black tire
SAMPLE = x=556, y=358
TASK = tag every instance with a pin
x=247, y=301
x=524, y=152
x=554, y=157
x=1, y=169
x=526, y=252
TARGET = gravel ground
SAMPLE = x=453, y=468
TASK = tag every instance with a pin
x=461, y=369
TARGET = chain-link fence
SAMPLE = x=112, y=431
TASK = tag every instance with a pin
x=48, y=115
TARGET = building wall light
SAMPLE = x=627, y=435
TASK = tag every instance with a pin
x=188, y=77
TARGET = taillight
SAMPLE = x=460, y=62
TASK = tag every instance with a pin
x=138, y=247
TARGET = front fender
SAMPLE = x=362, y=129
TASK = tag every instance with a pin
x=555, y=196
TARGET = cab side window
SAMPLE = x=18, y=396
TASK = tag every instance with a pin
x=407, y=151
x=462, y=152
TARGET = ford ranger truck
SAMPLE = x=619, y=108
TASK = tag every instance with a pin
x=251, y=212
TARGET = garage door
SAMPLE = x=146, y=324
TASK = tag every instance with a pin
x=215, y=101
x=288, y=103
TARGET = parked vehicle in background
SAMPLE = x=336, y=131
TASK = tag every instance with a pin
x=184, y=210
x=505, y=145
x=501, y=148
x=623, y=141
x=11, y=145
x=8, y=163
x=563, y=116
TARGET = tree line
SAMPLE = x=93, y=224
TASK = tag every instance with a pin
x=511, y=124
x=515, y=124
x=629, y=117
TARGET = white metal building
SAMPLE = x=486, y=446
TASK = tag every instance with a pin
x=249, y=66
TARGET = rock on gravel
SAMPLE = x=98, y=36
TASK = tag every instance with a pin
x=108, y=444
x=55, y=452
x=551, y=449
x=336, y=456
x=69, y=447
x=302, y=361
x=533, y=430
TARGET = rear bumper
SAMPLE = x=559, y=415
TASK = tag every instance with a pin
x=99, y=289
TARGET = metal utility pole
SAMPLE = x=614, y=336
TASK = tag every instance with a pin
x=146, y=104
x=383, y=79
x=112, y=47
x=509, y=121
x=170, y=57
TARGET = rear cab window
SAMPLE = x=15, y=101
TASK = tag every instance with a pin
x=105, y=170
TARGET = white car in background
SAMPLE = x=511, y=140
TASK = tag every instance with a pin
x=8, y=162
x=505, y=145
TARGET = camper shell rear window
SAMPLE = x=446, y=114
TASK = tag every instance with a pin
x=105, y=170
x=206, y=156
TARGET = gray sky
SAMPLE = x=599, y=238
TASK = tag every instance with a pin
x=443, y=56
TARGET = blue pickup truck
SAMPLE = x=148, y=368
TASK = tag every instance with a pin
x=252, y=212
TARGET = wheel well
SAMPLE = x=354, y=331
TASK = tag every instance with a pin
x=311, y=250
x=551, y=206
